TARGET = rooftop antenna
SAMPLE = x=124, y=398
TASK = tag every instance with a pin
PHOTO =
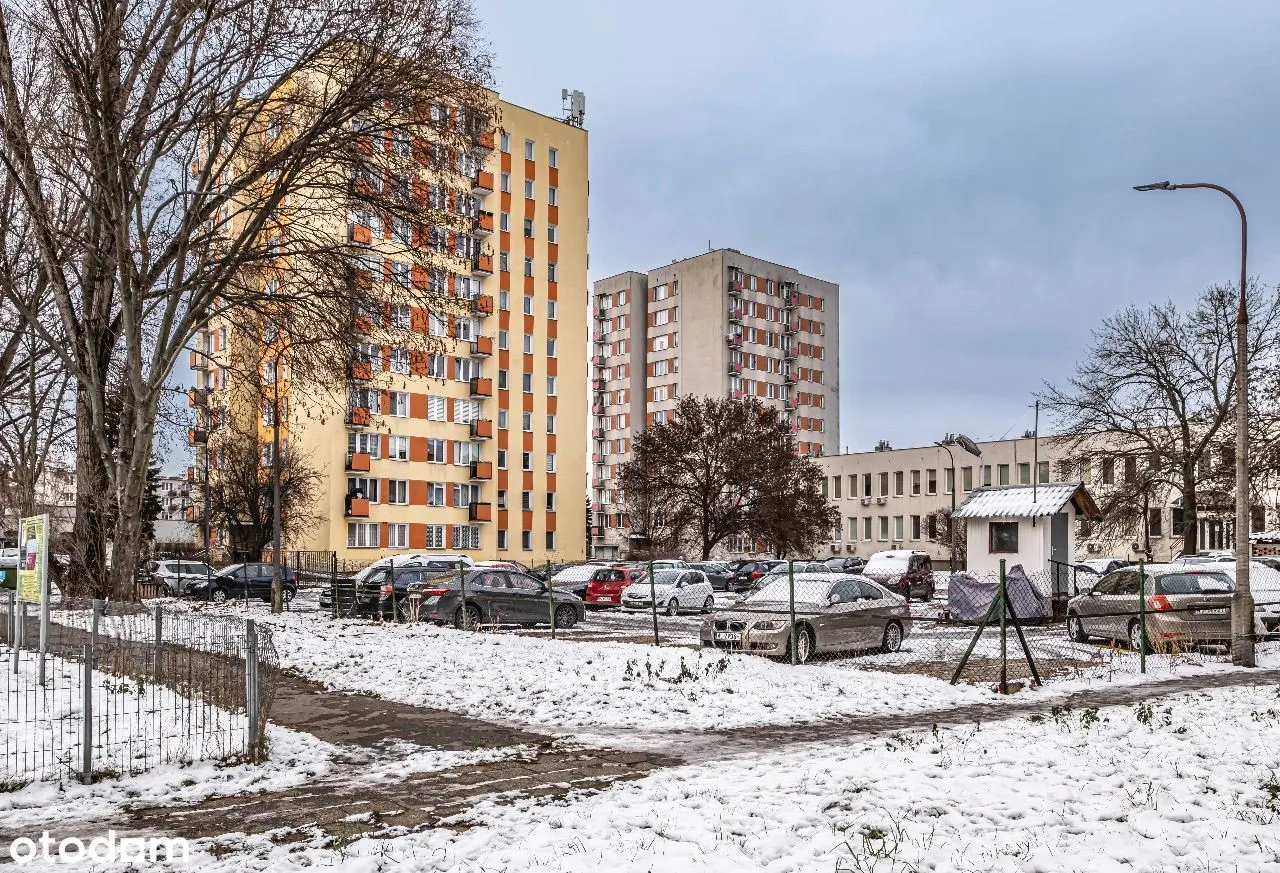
x=574, y=106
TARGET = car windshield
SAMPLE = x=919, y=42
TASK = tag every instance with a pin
x=886, y=564
x=779, y=591
x=667, y=577
x=609, y=576
x=1195, y=583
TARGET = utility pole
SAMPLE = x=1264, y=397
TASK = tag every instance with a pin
x=972, y=448
x=277, y=581
x=1242, y=650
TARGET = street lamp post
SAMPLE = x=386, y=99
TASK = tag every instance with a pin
x=972, y=448
x=1242, y=653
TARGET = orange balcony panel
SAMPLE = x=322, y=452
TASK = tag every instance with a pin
x=361, y=234
x=358, y=507
x=198, y=361
x=361, y=370
x=484, y=139
x=482, y=183
x=481, y=387
x=359, y=416
x=482, y=347
x=363, y=324
x=481, y=469
x=480, y=512
x=358, y=462
x=484, y=222
x=482, y=265
x=196, y=436
x=482, y=429
x=482, y=304
x=191, y=474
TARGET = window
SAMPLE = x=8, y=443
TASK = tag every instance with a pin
x=884, y=485
x=526, y=382
x=898, y=483
x=551, y=501
x=949, y=480
x=1002, y=537
x=528, y=150
x=551, y=540
x=528, y=189
x=436, y=407
x=526, y=461
x=526, y=422
x=502, y=459
x=551, y=271
x=1042, y=472
x=897, y=528
x=398, y=536
x=551, y=386
x=526, y=500
x=502, y=419
x=435, y=494
x=400, y=360
x=504, y=143
x=551, y=348
x=866, y=529
x=503, y=338
x=551, y=309
x=528, y=305
x=884, y=528
x=1177, y=522
x=552, y=155
x=400, y=316
x=551, y=462
x=1131, y=468
x=931, y=481
x=466, y=369
x=363, y=485
x=528, y=228
x=464, y=454
x=552, y=199
x=866, y=484
x=1002, y=473
x=504, y=266
x=915, y=527
x=399, y=404
x=526, y=540
x=504, y=221
x=835, y=489
x=504, y=182
x=362, y=535
x=502, y=380
x=466, y=536
x=986, y=475
x=398, y=448
x=464, y=495
x=551, y=424
x=966, y=478
x=466, y=411
x=502, y=540
x=528, y=344
x=551, y=234
x=368, y=443
x=1108, y=471
x=436, y=450
x=915, y=483
x=1155, y=522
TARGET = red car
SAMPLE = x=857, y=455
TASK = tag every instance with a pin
x=605, y=586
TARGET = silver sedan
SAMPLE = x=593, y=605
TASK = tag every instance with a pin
x=834, y=613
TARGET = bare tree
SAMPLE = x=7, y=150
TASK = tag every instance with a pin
x=938, y=530
x=181, y=163
x=720, y=468
x=1151, y=405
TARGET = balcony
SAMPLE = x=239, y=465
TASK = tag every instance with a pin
x=358, y=416
x=482, y=347
x=481, y=470
x=598, y=360
x=358, y=462
x=597, y=532
x=790, y=300
x=198, y=361
x=597, y=433
x=360, y=234
x=790, y=327
x=197, y=436
x=362, y=370
x=480, y=512
x=735, y=315
x=599, y=336
x=482, y=429
x=789, y=377
x=191, y=474
x=597, y=458
x=598, y=384
x=482, y=265
x=483, y=223
x=735, y=288
x=734, y=341
x=483, y=139
x=357, y=507
x=482, y=183
x=735, y=369
x=737, y=395
x=482, y=304
x=599, y=409
x=791, y=353
x=602, y=314
x=197, y=397
x=481, y=387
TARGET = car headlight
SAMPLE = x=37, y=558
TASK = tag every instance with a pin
x=768, y=625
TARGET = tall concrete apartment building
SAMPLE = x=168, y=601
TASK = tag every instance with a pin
x=482, y=450
x=722, y=324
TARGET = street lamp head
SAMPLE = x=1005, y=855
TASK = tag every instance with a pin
x=1155, y=186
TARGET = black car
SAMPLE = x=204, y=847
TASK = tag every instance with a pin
x=853, y=564
x=242, y=581
x=492, y=597
x=366, y=595
x=748, y=573
x=717, y=574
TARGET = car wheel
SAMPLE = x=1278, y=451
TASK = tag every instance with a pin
x=218, y=595
x=928, y=594
x=803, y=639
x=673, y=607
x=708, y=604
x=892, y=641
x=1135, y=635
x=166, y=591
x=1075, y=629
x=471, y=620
x=565, y=616
x=287, y=594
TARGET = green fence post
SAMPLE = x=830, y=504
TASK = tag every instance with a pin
x=1004, y=651
x=1142, y=615
x=551, y=602
x=462, y=584
x=653, y=602
x=791, y=585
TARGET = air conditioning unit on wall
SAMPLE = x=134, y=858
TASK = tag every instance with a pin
x=835, y=547
x=851, y=548
x=881, y=501
x=1093, y=548
x=866, y=501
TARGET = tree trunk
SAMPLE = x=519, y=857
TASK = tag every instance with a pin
x=88, y=574
x=130, y=530
x=1190, y=515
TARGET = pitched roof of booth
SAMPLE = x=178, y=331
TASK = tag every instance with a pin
x=1028, y=501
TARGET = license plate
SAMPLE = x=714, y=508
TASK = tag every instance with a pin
x=729, y=636
x=1210, y=611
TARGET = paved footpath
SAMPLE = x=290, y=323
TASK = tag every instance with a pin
x=349, y=803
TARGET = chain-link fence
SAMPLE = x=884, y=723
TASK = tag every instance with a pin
x=114, y=689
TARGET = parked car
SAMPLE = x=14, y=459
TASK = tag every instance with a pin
x=492, y=597
x=1264, y=585
x=608, y=583
x=239, y=581
x=575, y=578
x=438, y=564
x=840, y=613
x=175, y=576
x=904, y=571
x=851, y=564
x=676, y=591
x=1103, y=566
x=717, y=573
x=1186, y=605
x=746, y=574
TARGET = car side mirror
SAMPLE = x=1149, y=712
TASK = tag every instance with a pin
x=833, y=599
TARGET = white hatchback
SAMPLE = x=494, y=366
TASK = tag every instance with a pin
x=674, y=591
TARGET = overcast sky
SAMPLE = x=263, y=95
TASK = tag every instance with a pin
x=961, y=169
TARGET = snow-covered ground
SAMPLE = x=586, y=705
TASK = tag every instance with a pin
x=1186, y=783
